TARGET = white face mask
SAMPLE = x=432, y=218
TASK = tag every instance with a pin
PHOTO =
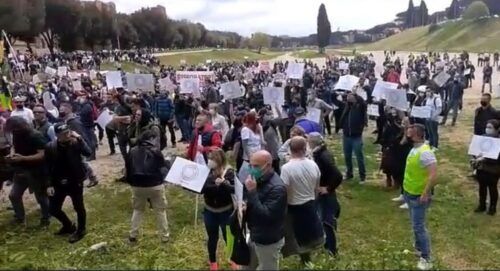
x=211, y=164
x=490, y=131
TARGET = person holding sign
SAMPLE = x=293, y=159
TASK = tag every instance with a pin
x=265, y=211
x=218, y=201
x=146, y=169
x=433, y=100
x=456, y=96
x=488, y=173
x=469, y=74
x=419, y=180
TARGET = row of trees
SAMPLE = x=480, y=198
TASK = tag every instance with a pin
x=416, y=16
x=72, y=25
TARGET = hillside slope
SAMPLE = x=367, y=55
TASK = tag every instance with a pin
x=474, y=36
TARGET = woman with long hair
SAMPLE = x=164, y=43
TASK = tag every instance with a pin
x=252, y=140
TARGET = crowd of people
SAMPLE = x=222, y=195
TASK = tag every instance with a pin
x=48, y=137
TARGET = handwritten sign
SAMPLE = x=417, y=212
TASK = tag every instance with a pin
x=373, y=110
x=441, y=78
x=381, y=87
x=396, y=98
x=143, y=82
x=104, y=118
x=314, y=114
x=231, y=90
x=347, y=82
x=488, y=147
x=422, y=112
x=190, y=85
x=114, y=79
x=295, y=70
x=62, y=71
x=274, y=95
x=188, y=174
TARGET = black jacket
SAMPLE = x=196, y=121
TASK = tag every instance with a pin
x=482, y=116
x=64, y=162
x=145, y=165
x=266, y=210
x=354, y=118
x=330, y=174
x=219, y=196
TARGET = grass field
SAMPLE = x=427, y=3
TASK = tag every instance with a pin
x=230, y=55
x=474, y=36
x=373, y=232
x=308, y=54
x=126, y=66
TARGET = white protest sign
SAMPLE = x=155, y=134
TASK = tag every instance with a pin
x=314, y=114
x=114, y=79
x=343, y=66
x=264, y=66
x=50, y=71
x=347, y=82
x=190, y=85
x=166, y=84
x=77, y=85
x=274, y=95
x=74, y=75
x=421, y=112
x=209, y=61
x=488, y=147
x=467, y=71
x=373, y=110
x=441, y=78
x=62, y=71
x=396, y=98
x=295, y=70
x=231, y=90
x=188, y=174
x=36, y=79
x=280, y=77
x=47, y=100
x=93, y=75
x=104, y=118
x=143, y=82
x=238, y=191
x=203, y=76
x=380, y=88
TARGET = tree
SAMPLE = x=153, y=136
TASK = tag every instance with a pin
x=424, y=14
x=61, y=24
x=453, y=11
x=127, y=34
x=16, y=19
x=324, y=29
x=410, y=15
x=260, y=40
x=476, y=10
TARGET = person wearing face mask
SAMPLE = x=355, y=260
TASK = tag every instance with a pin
x=488, y=173
x=21, y=111
x=67, y=172
x=303, y=230
x=353, y=121
x=205, y=138
x=266, y=208
x=218, y=202
x=420, y=177
x=28, y=168
x=483, y=114
x=219, y=122
x=41, y=124
x=456, y=96
x=432, y=124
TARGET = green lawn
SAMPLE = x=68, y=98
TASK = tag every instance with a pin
x=373, y=232
x=307, y=54
x=474, y=36
x=237, y=55
x=126, y=66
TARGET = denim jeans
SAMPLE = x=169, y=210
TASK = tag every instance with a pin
x=418, y=211
x=452, y=105
x=432, y=129
x=21, y=182
x=329, y=212
x=185, y=126
x=354, y=144
x=214, y=221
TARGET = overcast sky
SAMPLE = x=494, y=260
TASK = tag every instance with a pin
x=280, y=17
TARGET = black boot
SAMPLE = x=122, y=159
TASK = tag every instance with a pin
x=77, y=236
x=480, y=209
x=492, y=211
x=66, y=230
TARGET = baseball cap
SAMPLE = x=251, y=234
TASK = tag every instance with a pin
x=61, y=128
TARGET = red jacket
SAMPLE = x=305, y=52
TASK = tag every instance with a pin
x=210, y=141
x=393, y=77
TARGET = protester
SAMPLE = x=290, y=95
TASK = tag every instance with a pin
x=419, y=180
x=488, y=173
x=457, y=93
x=218, y=202
x=164, y=111
x=307, y=125
x=205, y=138
x=219, y=122
x=483, y=114
x=22, y=111
x=146, y=169
x=487, y=73
x=67, y=172
x=435, y=103
x=266, y=208
x=27, y=161
x=41, y=123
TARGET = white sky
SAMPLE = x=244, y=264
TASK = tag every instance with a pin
x=280, y=17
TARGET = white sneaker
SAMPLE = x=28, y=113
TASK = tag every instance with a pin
x=424, y=264
x=398, y=199
x=403, y=206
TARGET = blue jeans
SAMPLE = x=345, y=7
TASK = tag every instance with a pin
x=432, y=129
x=354, y=144
x=184, y=125
x=417, y=216
x=329, y=212
x=21, y=182
x=214, y=221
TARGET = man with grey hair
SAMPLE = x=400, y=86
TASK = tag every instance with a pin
x=331, y=178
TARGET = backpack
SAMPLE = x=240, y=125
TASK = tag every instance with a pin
x=443, y=107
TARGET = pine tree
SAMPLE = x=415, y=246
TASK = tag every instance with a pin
x=324, y=29
x=410, y=20
x=424, y=13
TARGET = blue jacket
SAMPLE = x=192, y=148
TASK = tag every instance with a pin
x=164, y=108
x=309, y=126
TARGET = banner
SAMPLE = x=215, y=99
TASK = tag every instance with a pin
x=347, y=82
x=231, y=90
x=295, y=70
x=203, y=76
x=488, y=147
x=274, y=95
x=188, y=174
x=114, y=79
x=142, y=82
